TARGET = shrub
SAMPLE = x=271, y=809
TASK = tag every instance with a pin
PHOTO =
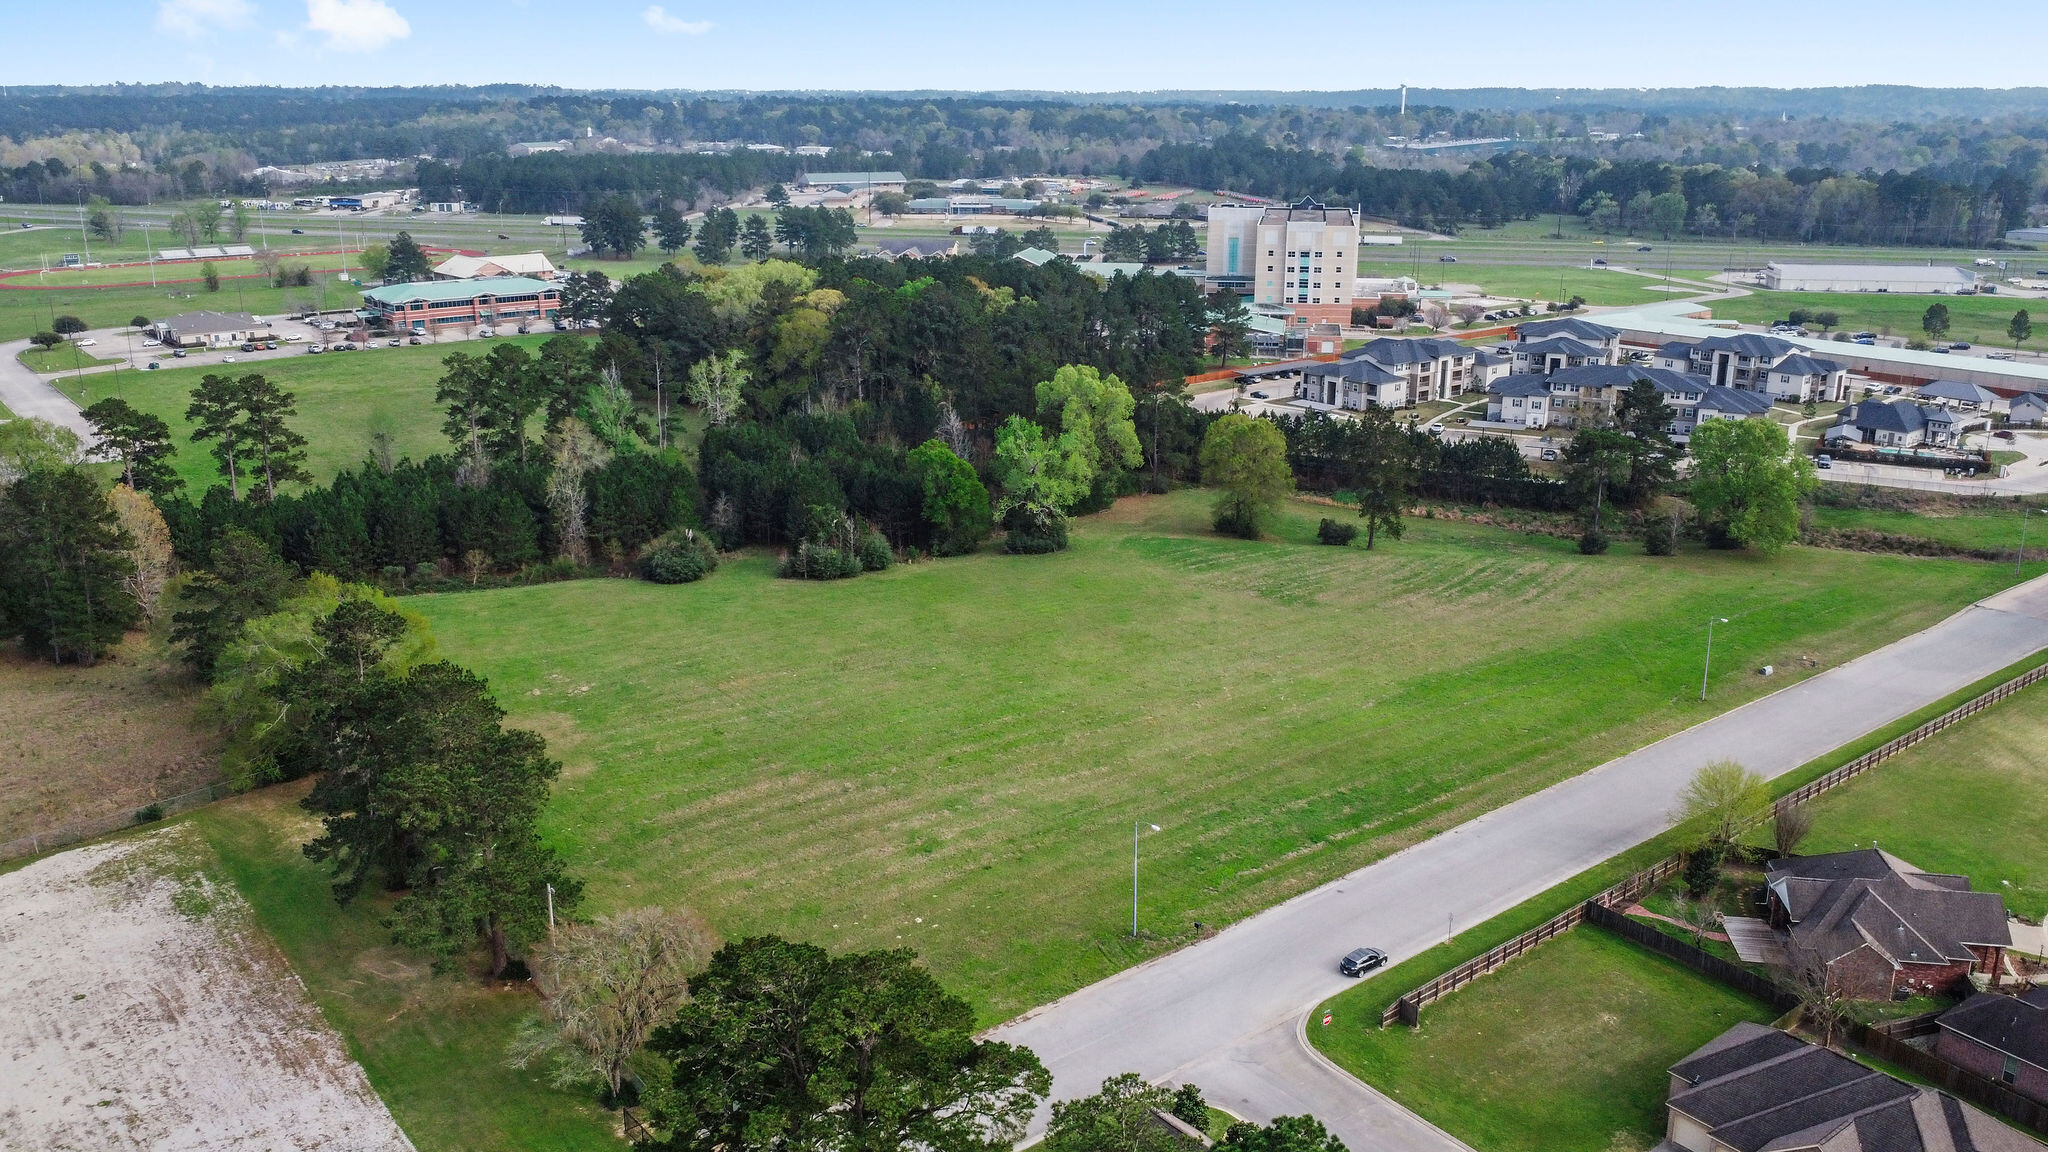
x=680, y=558
x=138, y=322
x=813, y=560
x=67, y=325
x=1660, y=536
x=1702, y=871
x=873, y=550
x=1718, y=537
x=1593, y=543
x=1237, y=520
x=1335, y=532
x=46, y=339
x=1030, y=532
x=149, y=814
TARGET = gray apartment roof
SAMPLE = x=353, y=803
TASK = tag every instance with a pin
x=1733, y=401
x=1956, y=390
x=202, y=323
x=1844, y=901
x=1391, y=351
x=1894, y=415
x=1758, y=1089
x=2030, y=400
x=1800, y=364
x=1361, y=370
x=1486, y=359
x=1754, y=345
x=1566, y=326
x=1570, y=346
x=2014, y=1025
x=1521, y=384
x=917, y=246
x=1675, y=349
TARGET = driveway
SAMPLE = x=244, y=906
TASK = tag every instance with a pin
x=27, y=394
x=1228, y=1013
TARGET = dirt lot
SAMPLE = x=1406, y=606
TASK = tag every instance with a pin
x=78, y=743
x=139, y=1008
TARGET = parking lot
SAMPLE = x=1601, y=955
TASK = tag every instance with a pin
x=129, y=348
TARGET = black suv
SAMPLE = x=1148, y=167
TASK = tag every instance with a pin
x=1360, y=961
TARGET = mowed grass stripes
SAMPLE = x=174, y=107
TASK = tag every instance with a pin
x=950, y=756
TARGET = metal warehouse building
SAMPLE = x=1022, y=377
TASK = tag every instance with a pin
x=1867, y=278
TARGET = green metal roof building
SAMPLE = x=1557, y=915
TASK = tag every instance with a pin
x=432, y=304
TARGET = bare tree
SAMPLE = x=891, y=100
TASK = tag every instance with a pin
x=953, y=431
x=715, y=384
x=151, y=554
x=1698, y=916
x=1822, y=1000
x=576, y=453
x=1790, y=826
x=608, y=985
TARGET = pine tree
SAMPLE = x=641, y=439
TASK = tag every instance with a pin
x=63, y=566
x=141, y=441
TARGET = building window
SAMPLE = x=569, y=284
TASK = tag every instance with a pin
x=1319, y=255
x=2010, y=1072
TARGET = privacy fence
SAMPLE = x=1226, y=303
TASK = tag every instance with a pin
x=1408, y=1009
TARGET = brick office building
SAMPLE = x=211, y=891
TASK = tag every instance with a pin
x=432, y=305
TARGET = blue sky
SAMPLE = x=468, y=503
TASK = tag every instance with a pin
x=1105, y=46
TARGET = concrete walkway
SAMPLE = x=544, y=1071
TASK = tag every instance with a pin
x=1228, y=1013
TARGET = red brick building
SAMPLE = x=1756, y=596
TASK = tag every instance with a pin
x=1882, y=927
x=432, y=305
x=2001, y=1038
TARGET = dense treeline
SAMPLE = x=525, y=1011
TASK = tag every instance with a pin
x=566, y=182
x=1955, y=204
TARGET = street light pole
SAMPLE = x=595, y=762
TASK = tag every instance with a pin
x=1135, y=828
x=2022, y=557
x=1706, y=667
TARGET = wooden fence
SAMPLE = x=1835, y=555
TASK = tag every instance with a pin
x=1885, y=1041
x=1408, y=1009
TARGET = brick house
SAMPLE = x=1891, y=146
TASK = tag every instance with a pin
x=1756, y=1089
x=2001, y=1038
x=1884, y=928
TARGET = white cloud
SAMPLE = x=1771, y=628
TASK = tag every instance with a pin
x=658, y=19
x=356, y=25
x=195, y=17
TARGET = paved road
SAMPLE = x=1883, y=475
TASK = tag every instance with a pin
x=26, y=394
x=1228, y=1013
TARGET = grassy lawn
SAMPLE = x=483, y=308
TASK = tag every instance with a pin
x=434, y=1046
x=815, y=760
x=1977, y=319
x=343, y=400
x=1987, y=524
x=1564, y=1049
x=66, y=357
x=186, y=271
x=1972, y=801
x=1599, y=286
x=24, y=311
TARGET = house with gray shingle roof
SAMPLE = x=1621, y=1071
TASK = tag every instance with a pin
x=1546, y=346
x=1756, y=1089
x=1881, y=927
x=1895, y=424
x=2028, y=409
x=1957, y=393
x=2001, y=1038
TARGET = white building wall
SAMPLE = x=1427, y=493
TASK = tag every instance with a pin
x=1233, y=236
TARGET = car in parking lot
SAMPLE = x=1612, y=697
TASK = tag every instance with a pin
x=2002, y=434
x=178, y=352
x=1824, y=462
x=314, y=349
x=87, y=343
x=413, y=340
x=1359, y=961
x=1549, y=454
x=1258, y=396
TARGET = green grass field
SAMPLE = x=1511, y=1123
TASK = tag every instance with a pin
x=343, y=400
x=1976, y=319
x=65, y=357
x=1986, y=524
x=1566, y=1049
x=1972, y=800
x=24, y=311
x=947, y=756
x=1524, y=281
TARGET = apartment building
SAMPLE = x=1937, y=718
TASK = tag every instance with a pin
x=1759, y=363
x=1302, y=256
x=1392, y=373
x=1543, y=347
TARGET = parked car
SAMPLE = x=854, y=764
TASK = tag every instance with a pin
x=560, y=326
x=502, y=236
x=1824, y=462
x=413, y=340
x=87, y=343
x=1549, y=454
x=1943, y=351
x=178, y=352
x=152, y=366
x=227, y=359
x=314, y=349
x=394, y=342
x=1359, y=961
x=152, y=343
x=1258, y=396
x=1961, y=345
x=2002, y=434
x=1998, y=356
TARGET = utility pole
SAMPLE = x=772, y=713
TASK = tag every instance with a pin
x=1135, y=827
x=1710, y=653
